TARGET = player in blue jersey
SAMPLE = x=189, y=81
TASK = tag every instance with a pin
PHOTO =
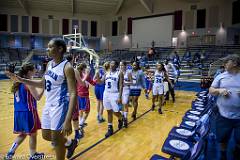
x=99, y=90
x=26, y=119
x=60, y=89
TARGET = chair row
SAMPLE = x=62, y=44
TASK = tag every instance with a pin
x=187, y=141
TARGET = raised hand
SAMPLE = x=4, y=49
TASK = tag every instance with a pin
x=13, y=76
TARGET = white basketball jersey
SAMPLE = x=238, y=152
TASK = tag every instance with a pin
x=56, y=90
x=111, y=81
x=158, y=78
x=126, y=79
x=135, y=80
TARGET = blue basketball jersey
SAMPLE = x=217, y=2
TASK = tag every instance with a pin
x=23, y=99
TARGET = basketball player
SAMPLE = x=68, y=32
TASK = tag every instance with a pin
x=158, y=86
x=112, y=96
x=126, y=91
x=60, y=90
x=75, y=117
x=26, y=120
x=83, y=80
x=148, y=80
x=137, y=84
x=99, y=90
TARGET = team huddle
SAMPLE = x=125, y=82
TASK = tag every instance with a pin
x=67, y=98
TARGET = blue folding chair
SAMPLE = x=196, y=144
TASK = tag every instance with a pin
x=179, y=145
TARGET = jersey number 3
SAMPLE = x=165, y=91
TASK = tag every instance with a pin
x=48, y=85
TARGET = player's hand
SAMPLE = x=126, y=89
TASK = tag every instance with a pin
x=87, y=71
x=67, y=128
x=13, y=76
x=119, y=101
x=224, y=92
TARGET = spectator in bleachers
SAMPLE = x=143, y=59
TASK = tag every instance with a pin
x=151, y=53
x=176, y=60
x=227, y=87
x=196, y=58
x=11, y=67
x=187, y=56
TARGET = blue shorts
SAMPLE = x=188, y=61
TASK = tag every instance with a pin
x=84, y=104
x=149, y=85
x=225, y=128
x=26, y=122
x=99, y=89
x=135, y=92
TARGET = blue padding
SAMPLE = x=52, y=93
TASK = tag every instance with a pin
x=177, y=147
x=191, y=117
x=190, y=125
x=182, y=133
x=195, y=112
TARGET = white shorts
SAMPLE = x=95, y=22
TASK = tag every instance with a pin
x=157, y=90
x=165, y=87
x=53, y=116
x=125, y=96
x=110, y=101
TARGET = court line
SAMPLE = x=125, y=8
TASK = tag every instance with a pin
x=101, y=140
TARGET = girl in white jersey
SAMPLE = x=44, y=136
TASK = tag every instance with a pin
x=112, y=96
x=60, y=90
x=126, y=91
x=158, y=86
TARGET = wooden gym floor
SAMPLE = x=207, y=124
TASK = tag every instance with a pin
x=143, y=138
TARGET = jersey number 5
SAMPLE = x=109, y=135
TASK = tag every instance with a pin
x=109, y=85
x=48, y=85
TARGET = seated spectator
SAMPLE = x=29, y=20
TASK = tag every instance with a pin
x=176, y=60
x=196, y=58
x=150, y=54
x=187, y=56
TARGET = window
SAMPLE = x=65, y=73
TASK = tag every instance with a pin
x=35, y=24
x=93, y=28
x=114, y=28
x=25, y=24
x=201, y=18
x=14, y=23
x=3, y=22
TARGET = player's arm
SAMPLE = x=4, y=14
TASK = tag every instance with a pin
x=30, y=82
x=36, y=92
x=166, y=77
x=130, y=80
x=121, y=80
x=71, y=84
x=219, y=91
x=98, y=79
x=78, y=77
